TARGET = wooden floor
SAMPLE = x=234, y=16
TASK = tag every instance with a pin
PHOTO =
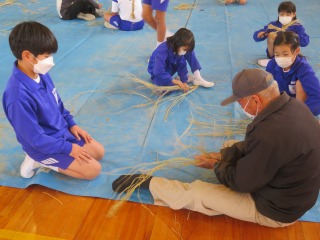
x=45, y=214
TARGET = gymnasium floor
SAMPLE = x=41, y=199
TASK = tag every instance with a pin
x=93, y=74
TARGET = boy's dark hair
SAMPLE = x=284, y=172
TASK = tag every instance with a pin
x=34, y=37
x=287, y=38
x=183, y=37
x=288, y=7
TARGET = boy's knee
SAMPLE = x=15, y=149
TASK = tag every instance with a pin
x=99, y=152
x=94, y=172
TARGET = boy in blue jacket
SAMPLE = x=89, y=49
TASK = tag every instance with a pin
x=293, y=73
x=45, y=129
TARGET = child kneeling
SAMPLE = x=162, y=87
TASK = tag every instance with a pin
x=171, y=57
x=45, y=129
x=126, y=15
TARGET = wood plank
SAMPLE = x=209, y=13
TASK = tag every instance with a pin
x=73, y=217
x=295, y=231
x=250, y=231
x=165, y=226
x=192, y=226
x=279, y=233
x=309, y=230
x=77, y=216
x=234, y=229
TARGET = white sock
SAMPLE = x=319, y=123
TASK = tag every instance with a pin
x=197, y=74
x=27, y=167
x=168, y=34
x=198, y=80
x=158, y=43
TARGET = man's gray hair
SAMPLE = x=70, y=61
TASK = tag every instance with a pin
x=271, y=91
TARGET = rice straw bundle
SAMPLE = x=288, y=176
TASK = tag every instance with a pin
x=184, y=6
x=177, y=100
x=154, y=88
x=283, y=28
x=221, y=130
x=7, y=2
x=162, y=91
x=218, y=125
x=148, y=169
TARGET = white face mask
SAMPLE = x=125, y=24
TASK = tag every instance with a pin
x=43, y=66
x=285, y=19
x=284, y=62
x=248, y=114
x=182, y=52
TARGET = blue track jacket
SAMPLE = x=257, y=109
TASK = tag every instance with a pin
x=163, y=64
x=37, y=114
x=298, y=29
x=300, y=70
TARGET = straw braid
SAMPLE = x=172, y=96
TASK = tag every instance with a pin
x=132, y=10
x=284, y=28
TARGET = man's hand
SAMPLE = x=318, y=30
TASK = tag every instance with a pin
x=79, y=132
x=208, y=160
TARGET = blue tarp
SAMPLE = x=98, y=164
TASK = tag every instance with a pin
x=92, y=75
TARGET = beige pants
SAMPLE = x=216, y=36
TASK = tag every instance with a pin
x=210, y=199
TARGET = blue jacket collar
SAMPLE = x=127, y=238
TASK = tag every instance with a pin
x=25, y=79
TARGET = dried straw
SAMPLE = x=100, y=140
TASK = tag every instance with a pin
x=177, y=100
x=154, y=88
x=7, y=2
x=283, y=28
x=161, y=91
x=221, y=1
x=184, y=6
x=53, y=197
x=148, y=170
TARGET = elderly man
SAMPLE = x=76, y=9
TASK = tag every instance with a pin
x=271, y=178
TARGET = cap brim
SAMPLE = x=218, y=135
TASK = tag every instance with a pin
x=229, y=100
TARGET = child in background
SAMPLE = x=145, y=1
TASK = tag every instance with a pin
x=45, y=129
x=287, y=21
x=83, y=9
x=293, y=73
x=242, y=2
x=171, y=57
x=125, y=15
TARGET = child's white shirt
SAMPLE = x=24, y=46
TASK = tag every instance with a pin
x=124, y=9
x=59, y=2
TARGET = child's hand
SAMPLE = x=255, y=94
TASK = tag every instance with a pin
x=80, y=154
x=272, y=35
x=99, y=6
x=262, y=34
x=185, y=87
x=78, y=132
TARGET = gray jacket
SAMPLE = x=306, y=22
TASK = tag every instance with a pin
x=278, y=162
